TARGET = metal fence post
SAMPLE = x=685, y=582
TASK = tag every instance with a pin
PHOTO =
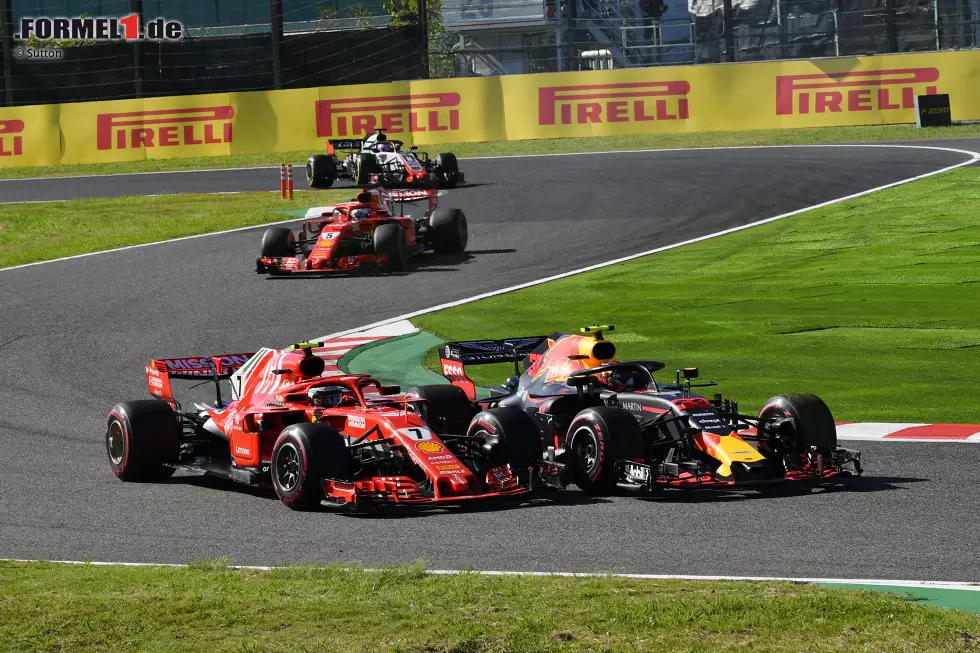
x=6, y=35
x=275, y=10
x=423, y=17
x=935, y=20
x=836, y=35
x=891, y=28
x=729, y=31
x=136, y=6
x=559, y=42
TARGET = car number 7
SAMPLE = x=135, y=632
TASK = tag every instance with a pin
x=417, y=433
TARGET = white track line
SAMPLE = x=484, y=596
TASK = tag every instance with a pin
x=133, y=174
x=714, y=149
x=159, y=242
x=925, y=584
x=407, y=316
x=975, y=157
x=475, y=158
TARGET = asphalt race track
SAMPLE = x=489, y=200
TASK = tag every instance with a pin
x=74, y=336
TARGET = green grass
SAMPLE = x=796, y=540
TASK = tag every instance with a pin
x=41, y=231
x=868, y=134
x=208, y=608
x=873, y=304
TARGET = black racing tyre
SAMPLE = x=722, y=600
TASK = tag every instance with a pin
x=278, y=242
x=447, y=169
x=321, y=170
x=390, y=239
x=448, y=231
x=367, y=165
x=142, y=440
x=304, y=455
x=509, y=436
x=597, y=438
x=447, y=409
x=805, y=419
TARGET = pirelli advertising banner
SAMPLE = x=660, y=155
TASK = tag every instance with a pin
x=719, y=97
x=731, y=97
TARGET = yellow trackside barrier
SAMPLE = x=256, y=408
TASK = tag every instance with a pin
x=29, y=136
x=731, y=97
x=719, y=97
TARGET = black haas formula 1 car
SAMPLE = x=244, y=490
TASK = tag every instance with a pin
x=606, y=422
x=343, y=440
x=368, y=232
x=378, y=160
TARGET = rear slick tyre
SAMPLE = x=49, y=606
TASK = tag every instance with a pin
x=142, y=440
x=447, y=409
x=321, y=169
x=510, y=437
x=449, y=229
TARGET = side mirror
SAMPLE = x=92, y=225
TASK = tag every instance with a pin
x=690, y=372
x=390, y=389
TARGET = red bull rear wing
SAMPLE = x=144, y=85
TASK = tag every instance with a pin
x=454, y=356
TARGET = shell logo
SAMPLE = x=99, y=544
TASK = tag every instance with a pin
x=429, y=447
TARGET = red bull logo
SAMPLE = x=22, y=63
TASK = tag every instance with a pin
x=598, y=103
x=397, y=114
x=876, y=90
x=11, y=142
x=164, y=128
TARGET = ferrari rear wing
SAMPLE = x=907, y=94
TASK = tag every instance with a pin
x=455, y=356
x=160, y=372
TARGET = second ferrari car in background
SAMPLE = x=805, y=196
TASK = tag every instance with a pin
x=371, y=231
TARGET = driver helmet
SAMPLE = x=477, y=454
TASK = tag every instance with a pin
x=618, y=380
x=360, y=214
x=326, y=397
x=385, y=147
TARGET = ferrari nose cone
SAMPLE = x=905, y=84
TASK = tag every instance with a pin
x=459, y=484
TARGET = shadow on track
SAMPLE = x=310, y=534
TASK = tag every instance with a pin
x=424, y=263
x=856, y=485
x=406, y=511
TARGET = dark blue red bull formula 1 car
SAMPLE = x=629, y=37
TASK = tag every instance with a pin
x=605, y=422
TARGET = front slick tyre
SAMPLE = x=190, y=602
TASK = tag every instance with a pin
x=142, y=440
x=389, y=239
x=809, y=421
x=304, y=455
x=598, y=437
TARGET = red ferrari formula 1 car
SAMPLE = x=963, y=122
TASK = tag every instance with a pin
x=334, y=440
x=604, y=422
x=368, y=232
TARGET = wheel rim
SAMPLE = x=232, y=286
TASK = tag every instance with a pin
x=586, y=449
x=117, y=443
x=287, y=468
